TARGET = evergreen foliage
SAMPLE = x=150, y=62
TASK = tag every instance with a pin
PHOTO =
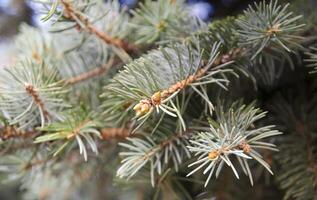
x=164, y=101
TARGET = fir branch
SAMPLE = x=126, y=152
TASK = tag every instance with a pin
x=231, y=135
x=268, y=25
x=160, y=96
x=158, y=153
x=74, y=64
x=173, y=81
x=77, y=126
x=295, y=113
x=298, y=175
x=81, y=20
x=223, y=31
x=162, y=21
x=153, y=81
x=30, y=93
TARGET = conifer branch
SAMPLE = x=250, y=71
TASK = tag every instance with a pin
x=232, y=134
x=161, y=96
x=269, y=24
x=157, y=98
x=294, y=112
x=157, y=153
x=78, y=126
x=165, y=72
x=30, y=94
x=72, y=14
x=163, y=21
x=298, y=175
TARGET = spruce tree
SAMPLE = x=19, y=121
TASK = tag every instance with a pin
x=153, y=103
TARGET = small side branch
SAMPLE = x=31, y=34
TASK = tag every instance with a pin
x=114, y=133
x=9, y=132
x=166, y=143
x=89, y=74
x=76, y=16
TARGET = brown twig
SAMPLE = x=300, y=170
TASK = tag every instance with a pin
x=10, y=132
x=273, y=30
x=76, y=130
x=90, y=74
x=33, y=93
x=214, y=154
x=114, y=133
x=74, y=15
